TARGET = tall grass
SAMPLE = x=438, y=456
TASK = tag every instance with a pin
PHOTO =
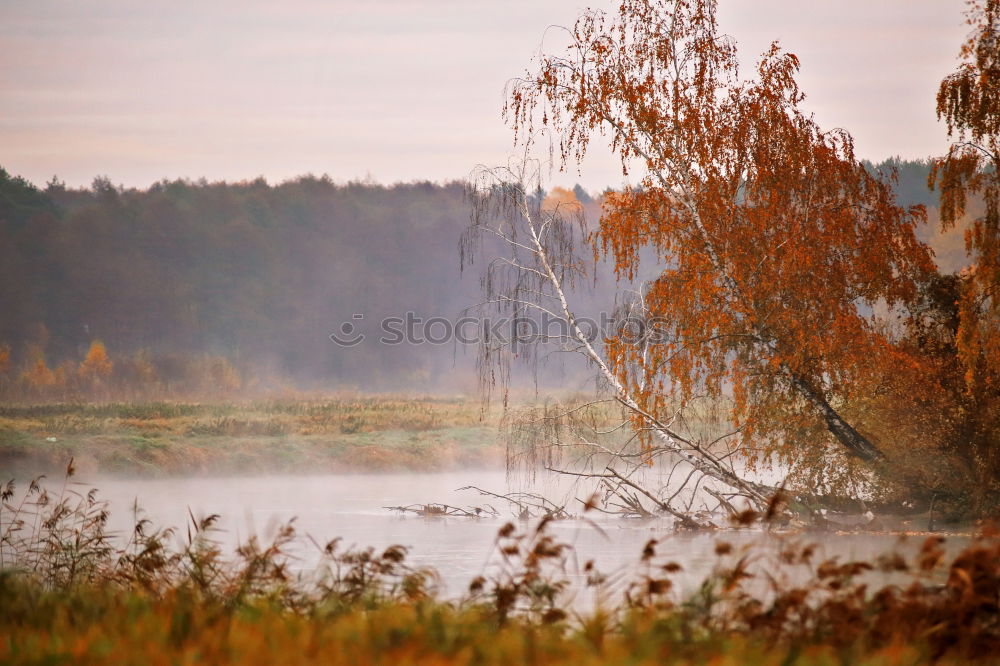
x=71, y=592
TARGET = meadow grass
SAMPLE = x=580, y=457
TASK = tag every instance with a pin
x=87, y=625
x=334, y=435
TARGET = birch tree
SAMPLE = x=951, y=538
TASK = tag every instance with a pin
x=772, y=244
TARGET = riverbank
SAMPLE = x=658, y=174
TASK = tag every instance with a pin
x=295, y=436
x=88, y=626
x=74, y=594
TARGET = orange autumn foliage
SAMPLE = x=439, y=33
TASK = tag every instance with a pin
x=38, y=376
x=772, y=242
x=969, y=102
x=964, y=365
x=139, y=376
x=560, y=197
x=4, y=359
x=96, y=365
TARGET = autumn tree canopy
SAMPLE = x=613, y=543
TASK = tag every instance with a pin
x=772, y=243
x=968, y=101
x=968, y=373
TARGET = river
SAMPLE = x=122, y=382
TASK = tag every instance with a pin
x=353, y=507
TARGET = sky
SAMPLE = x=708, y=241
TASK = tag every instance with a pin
x=392, y=90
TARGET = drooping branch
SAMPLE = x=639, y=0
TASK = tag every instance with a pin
x=731, y=168
x=541, y=261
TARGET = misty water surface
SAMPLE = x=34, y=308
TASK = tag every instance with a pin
x=352, y=507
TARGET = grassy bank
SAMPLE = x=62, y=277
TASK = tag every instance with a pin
x=97, y=626
x=158, y=439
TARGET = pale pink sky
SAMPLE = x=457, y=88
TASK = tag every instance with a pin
x=141, y=90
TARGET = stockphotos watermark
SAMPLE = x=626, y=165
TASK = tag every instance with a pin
x=412, y=329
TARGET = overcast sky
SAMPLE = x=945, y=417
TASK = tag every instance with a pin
x=141, y=90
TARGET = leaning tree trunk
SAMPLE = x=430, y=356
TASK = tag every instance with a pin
x=856, y=444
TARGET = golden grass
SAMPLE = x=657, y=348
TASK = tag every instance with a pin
x=95, y=626
x=334, y=435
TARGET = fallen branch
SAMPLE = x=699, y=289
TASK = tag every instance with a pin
x=442, y=510
x=529, y=505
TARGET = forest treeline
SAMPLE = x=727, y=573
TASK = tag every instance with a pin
x=192, y=286
x=255, y=274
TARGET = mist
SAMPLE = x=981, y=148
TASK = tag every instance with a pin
x=412, y=332
x=303, y=285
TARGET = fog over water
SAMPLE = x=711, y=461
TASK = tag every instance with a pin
x=353, y=507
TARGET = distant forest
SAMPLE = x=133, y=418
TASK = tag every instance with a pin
x=255, y=276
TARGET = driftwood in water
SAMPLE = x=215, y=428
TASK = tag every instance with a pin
x=528, y=505
x=442, y=510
